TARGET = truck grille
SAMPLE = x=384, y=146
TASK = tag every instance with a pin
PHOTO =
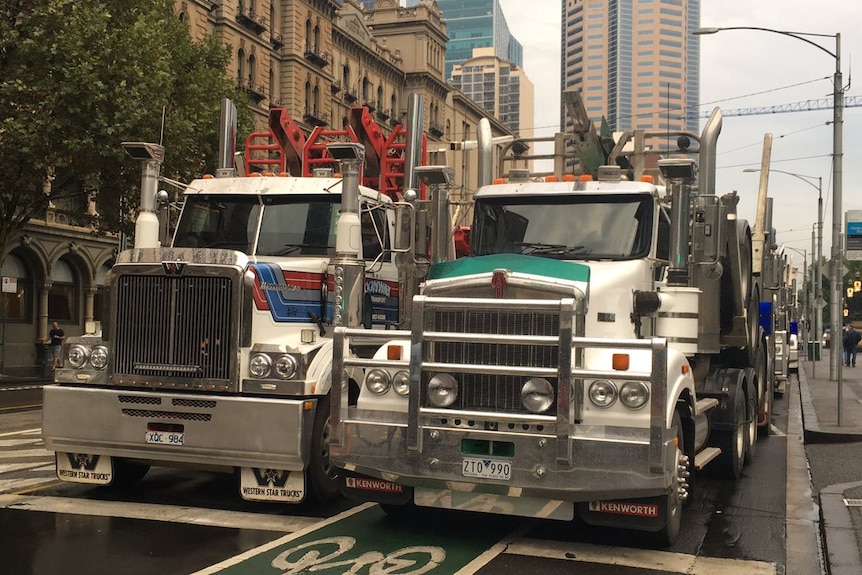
x=494, y=392
x=176, y=328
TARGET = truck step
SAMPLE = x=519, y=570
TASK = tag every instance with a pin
x=705, y=404
x=705, y=456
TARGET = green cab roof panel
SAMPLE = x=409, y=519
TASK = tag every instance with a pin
x=533, y=265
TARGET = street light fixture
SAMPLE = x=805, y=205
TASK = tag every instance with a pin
x=836, y=300
x=818, y=282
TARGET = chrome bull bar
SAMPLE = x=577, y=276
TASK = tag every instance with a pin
x=569, y=372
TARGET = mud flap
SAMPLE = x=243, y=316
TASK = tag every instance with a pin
x=256, y=484
x=364, y=488
x=85, y=468
x=643, y=514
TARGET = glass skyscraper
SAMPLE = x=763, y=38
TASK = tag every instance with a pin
x=635, y=62
x=477, y=24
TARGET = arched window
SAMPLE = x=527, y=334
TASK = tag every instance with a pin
x=345, y=77
x=308, y=97
x=393, y=108
x=366, y=85
x=380, y=97
x=317, y=38
x=17, y=294
x=272, y=93
x=63, y=296
x=315, y=100
x=240, y=66
x=308, y=35
x=252, y=64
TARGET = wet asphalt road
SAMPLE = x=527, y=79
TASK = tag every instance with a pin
x=742, y=520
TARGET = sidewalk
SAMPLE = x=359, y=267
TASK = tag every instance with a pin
x=841, y=524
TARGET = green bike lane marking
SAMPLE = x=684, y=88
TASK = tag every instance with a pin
x=364, y=541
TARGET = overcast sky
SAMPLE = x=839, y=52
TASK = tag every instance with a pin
x=747, y=69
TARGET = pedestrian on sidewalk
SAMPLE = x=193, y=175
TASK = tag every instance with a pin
x=55, y=339
x=850, y=341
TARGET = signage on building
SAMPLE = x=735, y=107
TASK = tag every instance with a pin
x=10, y=285
x=853, y=231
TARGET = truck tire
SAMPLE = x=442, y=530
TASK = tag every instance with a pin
x=732, y=442
x=322, y=475
x=765, y=383
x=673, y=502
x=751, y=410
x=127, y=473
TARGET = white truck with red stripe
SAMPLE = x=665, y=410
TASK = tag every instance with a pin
x=217, y=348
x=599, y=345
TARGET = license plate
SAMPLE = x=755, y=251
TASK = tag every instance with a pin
x=487, y=468
x=165, y=434
x=166, y=438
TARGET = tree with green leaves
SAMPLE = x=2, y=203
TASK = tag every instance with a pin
x=78, y=79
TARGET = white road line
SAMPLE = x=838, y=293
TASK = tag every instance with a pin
x=10, y=485
x=643, y=558
x=21, y=432
x=493, y=551
x=16, y=442
x=154, y=512
x=10, y=467
x=775, y=431
x=30, y=453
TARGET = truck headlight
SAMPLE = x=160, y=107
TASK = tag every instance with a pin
x=537, y=395
x=260, y=365
x=634, y=394
x=377, y=381
x=603, y=393
x=78, y=356
x=99, y=357
x=286, y=366
x=401, y=382
x=442, y=390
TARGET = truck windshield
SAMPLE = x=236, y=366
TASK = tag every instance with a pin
x=289, y=225
x=584, y=227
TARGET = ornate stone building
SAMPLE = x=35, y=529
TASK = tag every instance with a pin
x=317, y=58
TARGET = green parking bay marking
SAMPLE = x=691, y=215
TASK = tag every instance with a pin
x=364, y=541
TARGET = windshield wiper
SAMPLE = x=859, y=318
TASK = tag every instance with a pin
x=290, y=248
x=538, y=248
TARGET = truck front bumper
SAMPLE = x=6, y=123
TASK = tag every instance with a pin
x=217, y=431
x=606, y=463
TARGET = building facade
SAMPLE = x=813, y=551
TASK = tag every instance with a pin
x=635, y=62
x=499, y=87
x=318, y=59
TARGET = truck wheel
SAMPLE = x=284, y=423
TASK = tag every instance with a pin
x=322, y=475
x=673, y=502
x=732, y=442
x=766, y=380
x=751, y=409
x=127, y=473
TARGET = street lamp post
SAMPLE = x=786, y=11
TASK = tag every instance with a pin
x=837, y=264
x=818, y=262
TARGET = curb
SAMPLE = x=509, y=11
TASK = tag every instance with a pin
x=813, y=433
x=842, y=551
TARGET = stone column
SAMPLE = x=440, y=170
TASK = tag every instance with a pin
x=89, y=294
x=43, y=311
